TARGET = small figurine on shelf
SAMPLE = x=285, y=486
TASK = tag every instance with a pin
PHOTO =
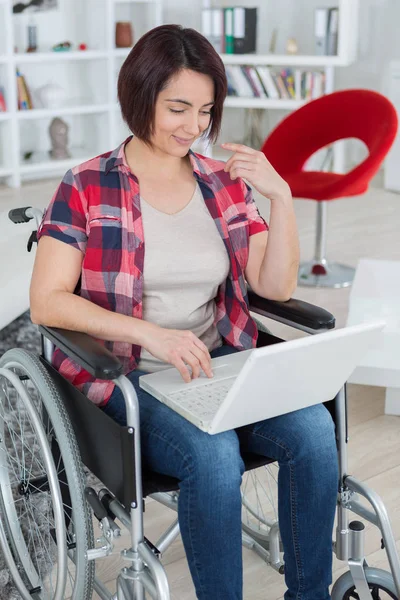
x=292, y=46
x=62, y=47
x=51, y=95
x=58, y=131
x=82, y=46
x=32, y=36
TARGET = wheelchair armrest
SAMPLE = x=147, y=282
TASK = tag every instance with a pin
x=295, y=313
x=84, y=350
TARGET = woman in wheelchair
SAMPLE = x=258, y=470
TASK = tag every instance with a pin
x=149, y=248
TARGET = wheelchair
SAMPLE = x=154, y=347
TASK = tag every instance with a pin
x=50, y=432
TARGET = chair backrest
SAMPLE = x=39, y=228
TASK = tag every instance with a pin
x=362, y=114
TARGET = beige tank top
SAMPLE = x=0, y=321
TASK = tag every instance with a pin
x=185, y=262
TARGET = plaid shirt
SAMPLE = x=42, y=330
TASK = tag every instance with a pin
x=96, y=209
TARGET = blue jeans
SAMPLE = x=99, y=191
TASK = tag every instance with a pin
x=210, y=468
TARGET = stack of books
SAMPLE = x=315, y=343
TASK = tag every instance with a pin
x=24, y=97
x=286, y=84
x=3, y=106
x=231, y=30
x=326, y=31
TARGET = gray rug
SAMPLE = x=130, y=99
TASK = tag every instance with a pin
x=22, y=333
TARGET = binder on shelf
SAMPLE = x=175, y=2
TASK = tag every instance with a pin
x=217, y=29
x=206, y=28
x=244, y=30
x=229, y=45
x=321, y=30
x=333, y=26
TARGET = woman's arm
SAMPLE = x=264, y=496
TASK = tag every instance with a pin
x=53, y=303
x=274, y=255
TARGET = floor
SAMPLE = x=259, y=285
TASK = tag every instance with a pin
x=360, y=227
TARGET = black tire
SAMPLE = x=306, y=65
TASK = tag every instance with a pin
x=26, y=493
x=379, y=581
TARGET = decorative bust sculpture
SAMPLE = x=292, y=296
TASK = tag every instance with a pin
x=59, y=139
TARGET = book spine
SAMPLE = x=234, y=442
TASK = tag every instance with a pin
x=27, y=92
x=256, y=81
x=283, y=93
x=22, y=99
x=3, y=106
x=268, y=82
x=244, y=88
x=232, y=90
x=247, y=74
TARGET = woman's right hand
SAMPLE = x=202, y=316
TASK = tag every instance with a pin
x=179, y=348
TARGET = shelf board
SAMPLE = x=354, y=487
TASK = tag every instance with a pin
x=42, y=113
x=235, y=102
x=34, y=57
x=40, y=161
x=121, y=51
x=5, y=172
x=283, y=59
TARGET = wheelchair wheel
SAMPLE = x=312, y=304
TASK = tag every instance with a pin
x=260, y=503
x=380, y=583
x=45, y=522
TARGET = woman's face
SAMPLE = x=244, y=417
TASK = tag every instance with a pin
x=182, y=112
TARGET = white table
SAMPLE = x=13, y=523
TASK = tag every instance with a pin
x=375, y=295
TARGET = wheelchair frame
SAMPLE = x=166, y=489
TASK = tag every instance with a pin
x=145, y=572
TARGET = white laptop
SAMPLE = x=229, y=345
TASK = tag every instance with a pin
x=261, y=383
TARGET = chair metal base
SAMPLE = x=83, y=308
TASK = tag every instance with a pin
x=325, y=274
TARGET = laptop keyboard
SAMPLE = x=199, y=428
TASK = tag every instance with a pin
x=205, y=400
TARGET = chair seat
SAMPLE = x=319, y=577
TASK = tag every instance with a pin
x=155, y=482
x=319, y=185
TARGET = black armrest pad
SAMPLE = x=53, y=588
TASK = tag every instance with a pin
x=84, y=350
x=293, y=311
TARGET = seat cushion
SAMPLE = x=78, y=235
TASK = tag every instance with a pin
x=319, y=185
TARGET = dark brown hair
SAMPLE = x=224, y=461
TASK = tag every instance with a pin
x=157, y=56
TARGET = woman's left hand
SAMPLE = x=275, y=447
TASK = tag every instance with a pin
x=253, y=166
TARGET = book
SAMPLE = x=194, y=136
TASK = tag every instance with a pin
x=321, y=30
x=3, y=105
x=288, y=80
x=244, y=30
x=247, y=74
x=268, y=82
x=232, y=91
x=252, y=73
x=24, y=97
x=332, y=35
x=242, y=85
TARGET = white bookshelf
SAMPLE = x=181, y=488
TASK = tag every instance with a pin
x=94, y=115
x=95, y=125
x=346, y=55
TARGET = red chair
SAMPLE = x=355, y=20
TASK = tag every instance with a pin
x=361, y=114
